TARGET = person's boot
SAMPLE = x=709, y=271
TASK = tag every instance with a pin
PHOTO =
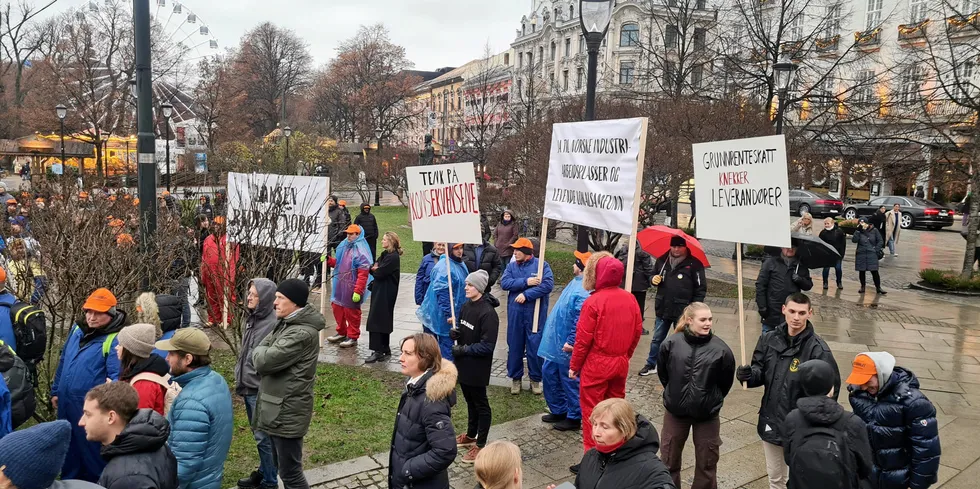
x=536, y=388
x=881, y=291
x=568, y=424
x=373, y=358
x=825, y=286
x=348, y=343
x=515, y=386
x=861, y=290
x=552, y=418
x=840, y=286
x=253, y=481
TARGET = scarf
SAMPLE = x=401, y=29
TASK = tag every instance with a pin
x=607, y=449
x=675, y=261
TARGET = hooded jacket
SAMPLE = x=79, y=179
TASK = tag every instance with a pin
x=205, y=208
x=258, y=325
x=505, y=234
x=87, y=360
x=697, y=372
x=822, y=411
x=681, y=286
x=901, y=426
x=139, y=457
x=483, y=257
x=286, y=362
x=609, y=325
x=775, y=365
x=422, y=278
x=775, y=283
x=368, y=223
x=478, y=325
x=423, y=443
x=634, y=466
x=201, y=424
x=561, y=324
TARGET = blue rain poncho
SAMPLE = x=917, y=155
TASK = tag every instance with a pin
x=434, y=312
x=351, y=259
x=560, y=326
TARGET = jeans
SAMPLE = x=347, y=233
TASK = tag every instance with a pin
x=891, y=245
x=660, y=330
x=183, y=291
x=478, y=413
x=837, y=269
x=289, y=457
x=267, y=464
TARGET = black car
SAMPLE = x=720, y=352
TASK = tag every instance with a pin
x=817, y=204
x=915, y=211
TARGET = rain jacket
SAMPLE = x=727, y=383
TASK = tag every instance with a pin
x=6, y=326
x=901, y=426
x=258, y=325
x=609, y=327
x=560, y=327
x=634, y=466
x=824, y=412
x=435, y=312
x=775, y=365
x=139, y=457
x=515, y=283
x=201, y=425
x=286, y=362
x=697, y=372
x=423, y=276
x=775, y=284
x=352, y=274
x=423, y=443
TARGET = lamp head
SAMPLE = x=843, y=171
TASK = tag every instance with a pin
x=168, y=110
x=62, y=111
x=784, y=69
x=287, y=131
x=595, y=16
x=377, y=133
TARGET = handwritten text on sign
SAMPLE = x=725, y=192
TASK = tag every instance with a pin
x=746, y=183
x=443, y=203
x=592, y=173
x=277, y=211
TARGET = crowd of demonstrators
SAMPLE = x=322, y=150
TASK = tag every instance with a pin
x=643, y=272
x=780, y=277
x=867, y=254
x=386, y=272
x=524, y=287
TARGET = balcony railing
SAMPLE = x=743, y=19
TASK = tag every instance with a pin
x=828, y=45
x=793, y=49
x=869, y=38
x=908, y=32
x=964, y=24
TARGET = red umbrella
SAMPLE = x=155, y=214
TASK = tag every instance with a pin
x=656, y=241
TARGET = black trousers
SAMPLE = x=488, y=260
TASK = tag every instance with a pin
x=874, y=276
x=380, y=342
x=373, y=244
x=478, y=411
x=641, y=299
x=288, y=456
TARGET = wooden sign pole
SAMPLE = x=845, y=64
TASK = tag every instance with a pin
x=544, y=242
x=323, y=264
x=449, y=282
x=741, y=305
x=631, y=254
x=225, y=279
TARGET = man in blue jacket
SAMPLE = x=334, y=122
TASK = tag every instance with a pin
x=557, y=344
x=87, y=360
x=6, y=300
x=425, y=271
x=524, y=287
x=201, y=419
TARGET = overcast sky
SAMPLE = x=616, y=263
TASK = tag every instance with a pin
x=435, y=33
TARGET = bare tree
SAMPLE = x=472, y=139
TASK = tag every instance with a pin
x=21, y=38
x=486, y=116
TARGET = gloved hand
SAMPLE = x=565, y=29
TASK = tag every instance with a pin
x=459, y=351
x=656, y=280
x=764, y=313
x=357, y=297
x=454, y=334
x=796, y=279
x=323, y=258
x=743, y=373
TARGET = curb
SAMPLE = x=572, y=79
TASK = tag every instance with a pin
x=928, y=288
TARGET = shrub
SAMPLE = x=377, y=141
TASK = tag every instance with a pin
x=950, y=280
x=755, y=251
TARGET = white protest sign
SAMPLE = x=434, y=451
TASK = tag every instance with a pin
x=592, y=173
x=278, y=211
x=742, y=189
x=443, y=203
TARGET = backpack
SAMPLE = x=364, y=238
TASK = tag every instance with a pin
x=166, y=382
x=30, y=329
x=820, y=458
x=20, y=382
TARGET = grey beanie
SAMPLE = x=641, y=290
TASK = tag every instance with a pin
x=479, y=280
x=138, y=339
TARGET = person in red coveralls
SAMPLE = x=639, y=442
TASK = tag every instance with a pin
x=608, y=331
x=218, y=271
x=350, y=279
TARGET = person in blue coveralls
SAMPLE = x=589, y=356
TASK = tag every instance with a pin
x=435, y=313
x=557, y=343
x=88, y=359
x=425, y=271
x=524, y=287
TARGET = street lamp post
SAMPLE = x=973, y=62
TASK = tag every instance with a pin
x=168, y=111
x=377, y=180
x=62, y=112
x=287, y=132
x=784, y=69
x=594, y=17
x=145, y=145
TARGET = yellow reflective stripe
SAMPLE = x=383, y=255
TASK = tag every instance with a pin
x=2, y=343
x=107, y=344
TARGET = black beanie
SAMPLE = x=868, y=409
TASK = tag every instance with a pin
x=295, y=290
x=678, y=241
x=817, y=377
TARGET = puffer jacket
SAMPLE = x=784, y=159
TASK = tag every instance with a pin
x=423, y=444
x=775, y=283
x=201, y=424
x=681, y=286
x=869, y=241
x=169, y=309
x=609, y=325
x=824, y=412
x=139, y=457
x=286, y=362
x=775, y=365
x=901, y=426
x=634, y=466
x=643, y=269
x=697, y=372
x=367, y=221
x=489, y=262
x=258, y=325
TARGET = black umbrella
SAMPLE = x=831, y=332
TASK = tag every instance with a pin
x=814, y=252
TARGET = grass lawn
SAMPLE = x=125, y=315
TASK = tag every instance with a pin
x=353, y=415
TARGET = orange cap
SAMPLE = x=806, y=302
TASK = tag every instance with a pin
x=127, y=196
x=136, y=201
x=3, y=277
x=522, y=243
x=219, y=220
x=83, y=195
x=11, y=201
x=583, y=257
x=165, y=194
x=116, y=223
x=124, y=239
x=863, y=369
x=343, y=203
x=100, y=301
x=112, y=198
x=457, y=245
x=39, y=200
x=353, y=229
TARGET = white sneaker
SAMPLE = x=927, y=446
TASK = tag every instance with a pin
x=336, y=338
x=515, y=387
x=536, y=388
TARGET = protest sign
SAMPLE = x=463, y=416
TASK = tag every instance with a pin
x=443, y=203
x=592, y=176
x=278, y=211
x=742, y=189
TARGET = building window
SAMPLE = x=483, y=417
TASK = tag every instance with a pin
x=506, y=59
x=629, y=35
x=541, y=53
x=579, y=77
x=670, y=37
x=571, y=11
x=530, y=59
x=969, y=7
x=627, y=71
x=554, y=50
x=568, y=47
x=670, y=75
x=520, y=60
x=564, y=80
x=459, y=99
x=520, y=87
x=964, y=79
x=581, y=43
x=697, y=76
x=910, y=91
x=551, y=81
x=918, y=11
x=700, y=4
x=700, y=34
x=874, y=14
x=523, y=29
x=796, y=26
x=864, y=90
x=826, y=92
x=832, y=22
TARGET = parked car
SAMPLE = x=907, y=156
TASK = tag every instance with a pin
x=817, y=204
x=915, y=211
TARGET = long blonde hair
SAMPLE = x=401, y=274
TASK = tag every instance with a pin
x=588, y=282
x=497, y=465
x=148, y=312
x=688, y=315
x=395, y=242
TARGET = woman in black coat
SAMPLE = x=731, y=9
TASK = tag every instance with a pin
x=869, y=244
x=833, y=235
x=384, y=292
x=697, y=370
